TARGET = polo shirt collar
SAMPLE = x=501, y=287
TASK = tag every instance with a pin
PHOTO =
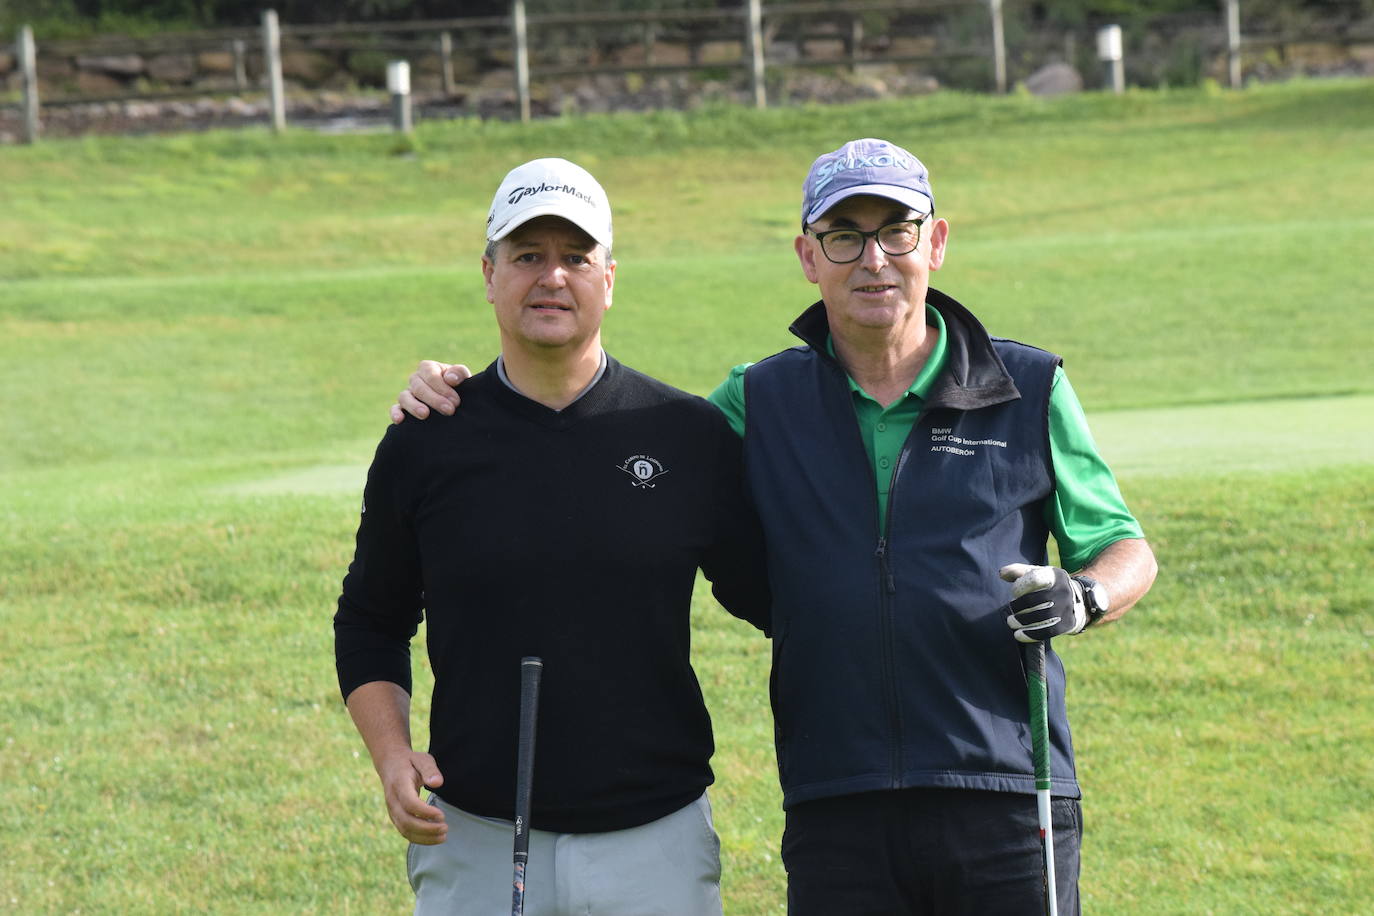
x=934, y=364
x=972, y=374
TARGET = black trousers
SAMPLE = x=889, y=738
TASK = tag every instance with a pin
x=927, y=851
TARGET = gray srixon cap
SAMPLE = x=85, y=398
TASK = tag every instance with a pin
x=866, y=167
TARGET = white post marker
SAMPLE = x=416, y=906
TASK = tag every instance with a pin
x=1109, y=52
x=398, y=84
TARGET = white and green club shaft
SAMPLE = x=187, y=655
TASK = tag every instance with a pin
x=1037, y=686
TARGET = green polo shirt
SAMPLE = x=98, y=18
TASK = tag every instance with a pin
x=1085, y=513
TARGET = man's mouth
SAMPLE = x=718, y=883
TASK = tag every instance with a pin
x=550, y=306
x=874, y=288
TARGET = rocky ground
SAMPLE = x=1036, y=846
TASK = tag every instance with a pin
x=134, y=117
x=343, y=111
x=340, y=111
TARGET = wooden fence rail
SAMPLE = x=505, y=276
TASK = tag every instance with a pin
x=531, y=47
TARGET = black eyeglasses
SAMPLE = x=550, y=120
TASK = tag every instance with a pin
x=844, y=246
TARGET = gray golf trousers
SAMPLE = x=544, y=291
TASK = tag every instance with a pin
x=670, y=866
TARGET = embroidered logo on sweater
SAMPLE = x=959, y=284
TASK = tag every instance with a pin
x=643, y=470
x=945, y=441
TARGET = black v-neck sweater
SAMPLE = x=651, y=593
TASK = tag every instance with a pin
x=573, y=535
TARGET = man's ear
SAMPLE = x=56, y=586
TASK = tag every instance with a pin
x=487, y=269
x=806, y=253
x=939, y=239
x=610, y=281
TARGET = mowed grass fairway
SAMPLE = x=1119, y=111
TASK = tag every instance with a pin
x=200, y=335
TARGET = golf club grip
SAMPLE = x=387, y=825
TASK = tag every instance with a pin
x=1033, y=654
x=531, y=669
x=1038, y=692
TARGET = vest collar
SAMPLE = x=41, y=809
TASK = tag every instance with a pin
x=974, y=375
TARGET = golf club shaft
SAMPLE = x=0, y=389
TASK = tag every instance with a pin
x=530, y=671
x=1037, y=688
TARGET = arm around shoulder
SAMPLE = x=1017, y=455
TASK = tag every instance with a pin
x=431, y=386
x=728, y=397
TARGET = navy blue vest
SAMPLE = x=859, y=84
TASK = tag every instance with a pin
x=893, y=665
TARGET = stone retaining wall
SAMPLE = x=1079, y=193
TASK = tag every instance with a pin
x=71, y=72
x=329, y=85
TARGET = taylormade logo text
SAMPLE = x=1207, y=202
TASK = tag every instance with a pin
x=518, y=194
x=828, y=171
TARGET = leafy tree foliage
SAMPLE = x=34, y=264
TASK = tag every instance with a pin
x=1085, y=12
x=151, y=15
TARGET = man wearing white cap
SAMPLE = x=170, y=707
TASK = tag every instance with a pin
x=941, y=460
x=562, y=514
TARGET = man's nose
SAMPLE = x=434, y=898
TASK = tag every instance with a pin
x=873, y=257
x=554, y=276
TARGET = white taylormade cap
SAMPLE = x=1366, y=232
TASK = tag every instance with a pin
x=550, y=187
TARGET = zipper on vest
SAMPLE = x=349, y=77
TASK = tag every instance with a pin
x=885, y=571
x=887, y=588
x=889, y=582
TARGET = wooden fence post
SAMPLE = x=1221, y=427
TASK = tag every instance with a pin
x=28, y=66
x=999, y=47
x=240, y=50
x=1233, y=43
x=522, y=58
x=271, y=56
x=856, y=40
x=755, y=38
x=650, y=40
x=446, y=63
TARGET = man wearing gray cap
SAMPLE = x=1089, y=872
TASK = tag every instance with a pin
x=564, y=514
x=941, y=460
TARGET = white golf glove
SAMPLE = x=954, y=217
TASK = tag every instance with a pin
x=1045, y=602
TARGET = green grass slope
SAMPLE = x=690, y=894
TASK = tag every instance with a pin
x=199, y=336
